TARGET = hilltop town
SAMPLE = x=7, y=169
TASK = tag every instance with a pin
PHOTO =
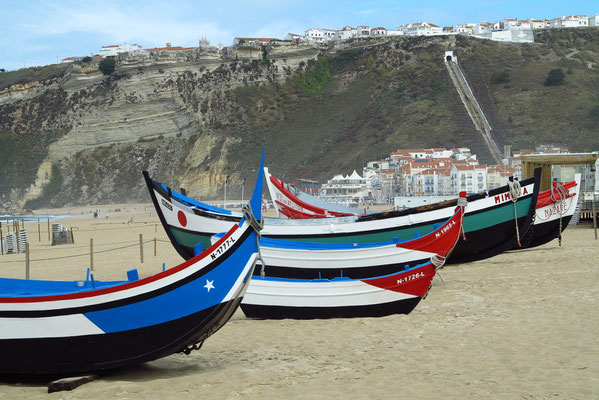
x=509, y=30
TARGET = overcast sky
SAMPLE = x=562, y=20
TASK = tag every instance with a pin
x=37, y=32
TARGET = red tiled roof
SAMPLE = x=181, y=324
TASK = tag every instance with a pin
x=112, y=45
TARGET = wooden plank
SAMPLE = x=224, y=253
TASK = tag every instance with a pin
x=70, y=383
x=560, y=158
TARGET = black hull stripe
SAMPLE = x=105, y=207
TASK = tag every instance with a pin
x=441, y=205
x=404, y=306
x=128, y=300
x=343, y=234
x=383, y=230
x=543, y=233
x=68, y=355
x=151, y=185
x=485, y=243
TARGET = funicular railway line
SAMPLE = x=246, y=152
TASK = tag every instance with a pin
x=472, y=107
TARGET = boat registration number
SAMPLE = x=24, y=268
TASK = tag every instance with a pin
x=410, y=278
x=222, y=248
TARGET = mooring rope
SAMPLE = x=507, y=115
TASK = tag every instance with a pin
x=438, y=260
x=462, y=202
x=558, y=189
x=246, y=209
x=515, y=192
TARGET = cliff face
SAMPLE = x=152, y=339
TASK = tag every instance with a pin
x=85, y=138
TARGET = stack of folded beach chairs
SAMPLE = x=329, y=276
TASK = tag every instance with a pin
x=9, y=244
x=61, y=235
x=22, y=240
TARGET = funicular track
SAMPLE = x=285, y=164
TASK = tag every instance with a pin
x=472, y=107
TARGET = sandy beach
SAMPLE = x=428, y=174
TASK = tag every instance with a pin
x=521, y=325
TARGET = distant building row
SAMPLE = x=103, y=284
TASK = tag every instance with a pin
x=428, y=29
x=434, y=173
x=116, y=49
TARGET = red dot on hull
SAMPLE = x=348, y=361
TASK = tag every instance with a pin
x=182, y=218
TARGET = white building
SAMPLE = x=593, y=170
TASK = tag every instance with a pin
x=395, y=32
x=293, y=36
x=314, y=35
x=463, y=29
x=115, y=49
x=510, y=23
x=347, y=32
x=422, y=29
x=379, y=31
x=539, y=23
x=363, y=30
x=594, y=20
x=570, y=21
x=346, y=190
x=469, y=178
x=485, y=27
x=498, y=175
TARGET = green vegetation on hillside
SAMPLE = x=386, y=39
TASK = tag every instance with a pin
x=27, y=75
x=20, y=157
x=555, y=77
x=107, y=65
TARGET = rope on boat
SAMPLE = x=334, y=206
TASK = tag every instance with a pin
x=558, y=197
x=439, y=261
x=515, y=192
x=462, y=202
x=246, y=209
x=195, y=346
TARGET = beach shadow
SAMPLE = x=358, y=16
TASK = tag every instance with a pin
x=165, y=368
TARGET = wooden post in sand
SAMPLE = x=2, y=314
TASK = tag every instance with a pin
x=154, y=247
x=48, y=229
x=72, y=237
x=16, y=227
x=27, y=261
x=91, y=254
x=39, y=231
x=1, y=240
x=594, y=213
x=141, y=248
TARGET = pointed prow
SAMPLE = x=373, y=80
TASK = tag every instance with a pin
x=256, y=200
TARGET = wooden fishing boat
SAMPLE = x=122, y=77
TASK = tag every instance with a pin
x=552, y=213
x=58, y=328
x=306, y=260
x=554, y=210
x=494, y=221
x=342, y=297
x=292, y=203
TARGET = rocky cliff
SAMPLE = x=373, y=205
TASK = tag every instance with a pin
x=84, y=138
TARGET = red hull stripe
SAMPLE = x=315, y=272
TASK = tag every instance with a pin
x=280, y=185
x=113, y=289
x=545, y=197
x=440, y=241
x=414, y=282
x=296, y=214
